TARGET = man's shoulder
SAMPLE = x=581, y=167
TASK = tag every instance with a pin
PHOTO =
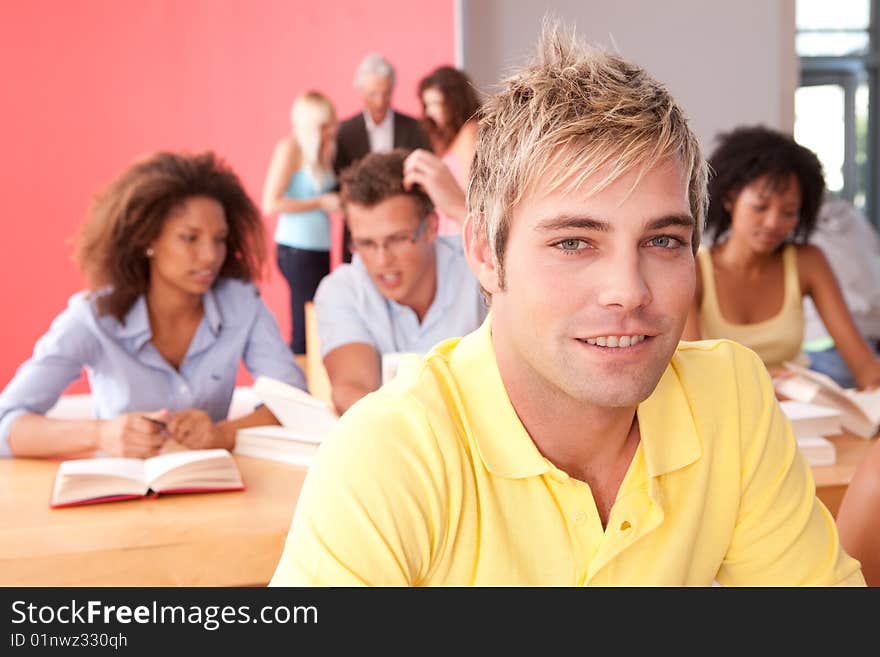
x=347, y=281
x=704, y=366
x=412, y=404
x=398, y=427
x=707, y=352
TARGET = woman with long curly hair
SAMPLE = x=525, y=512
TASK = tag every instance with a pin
x=170, y=250
x=764, y=198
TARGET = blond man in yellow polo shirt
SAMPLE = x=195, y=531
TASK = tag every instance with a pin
x=571, y=440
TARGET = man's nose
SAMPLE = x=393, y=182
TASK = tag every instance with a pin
x=623, y=283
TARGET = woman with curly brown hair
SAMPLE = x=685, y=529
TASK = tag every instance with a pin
x=764, y=198
x=169, y=249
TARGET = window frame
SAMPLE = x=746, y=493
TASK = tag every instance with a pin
x=849, y=71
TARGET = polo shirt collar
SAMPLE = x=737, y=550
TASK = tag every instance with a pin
x=668, y=431
x=669, y=435
x=504, y=444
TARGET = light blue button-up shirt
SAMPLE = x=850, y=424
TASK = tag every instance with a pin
x=127, y=373
x=349, y=307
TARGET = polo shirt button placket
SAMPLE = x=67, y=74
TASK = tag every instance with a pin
x=580, y=518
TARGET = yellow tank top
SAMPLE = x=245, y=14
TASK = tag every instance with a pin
x=775, y=340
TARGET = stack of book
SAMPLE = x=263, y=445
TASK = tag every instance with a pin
x=811, y=424
x=859, y=409
x=305, y=422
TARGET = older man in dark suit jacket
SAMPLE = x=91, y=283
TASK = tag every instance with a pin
x=378, y=128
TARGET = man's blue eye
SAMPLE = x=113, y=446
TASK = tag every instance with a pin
x=569, y=245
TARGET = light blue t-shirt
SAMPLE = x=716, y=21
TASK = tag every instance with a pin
x=349, y=307
x=127, y=373
x=304, y=230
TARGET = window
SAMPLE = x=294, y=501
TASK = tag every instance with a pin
x=836, y=104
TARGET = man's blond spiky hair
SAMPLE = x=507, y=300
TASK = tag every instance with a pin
x=575, y=112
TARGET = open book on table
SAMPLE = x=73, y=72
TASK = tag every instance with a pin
x=860, y=410
x=89, y=481
x=305, y=422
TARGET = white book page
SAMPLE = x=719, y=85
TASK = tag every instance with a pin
x=279, y=434
x=797, y=388
x=294, y=408
x=823, y=380
x=263, y=385
x=83, y=479
x=868, y=401
x=160, y=465
x=795, y=410
x=113, y=467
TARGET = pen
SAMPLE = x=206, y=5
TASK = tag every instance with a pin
x=158, y=423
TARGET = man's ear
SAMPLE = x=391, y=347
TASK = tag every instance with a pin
x=432, y=227
x=479, y=256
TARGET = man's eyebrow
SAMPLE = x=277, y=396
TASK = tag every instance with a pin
x=685, y=220
x=564, y=221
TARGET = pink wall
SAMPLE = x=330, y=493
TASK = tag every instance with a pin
x=90, y=85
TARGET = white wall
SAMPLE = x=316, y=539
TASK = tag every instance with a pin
x=727, y=62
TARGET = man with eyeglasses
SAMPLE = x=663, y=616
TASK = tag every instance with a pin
x=406, y=290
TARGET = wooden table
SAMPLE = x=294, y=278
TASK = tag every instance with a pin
x=832, y=480
x=210, y=539
x=205, y=539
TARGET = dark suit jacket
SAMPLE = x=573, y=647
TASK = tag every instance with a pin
x=352, y=142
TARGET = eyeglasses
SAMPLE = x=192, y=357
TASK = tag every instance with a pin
x=393, y=243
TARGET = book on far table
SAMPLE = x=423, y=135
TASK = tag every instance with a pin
x=305, y=422
x=859, y=410
x=90, y=481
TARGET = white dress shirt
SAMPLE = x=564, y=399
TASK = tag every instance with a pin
x=349, y=307
x=381, y=135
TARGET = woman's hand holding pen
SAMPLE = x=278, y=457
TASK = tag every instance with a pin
x=135, y=435
x=194, y=429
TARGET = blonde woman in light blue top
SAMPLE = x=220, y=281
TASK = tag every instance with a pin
x=298, y=189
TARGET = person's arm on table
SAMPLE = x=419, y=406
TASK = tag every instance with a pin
x=348, y=350
x=354, y=372
x=821, y=285
x=58, y=360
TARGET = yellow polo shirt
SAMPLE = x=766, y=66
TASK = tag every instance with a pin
x=433, y=480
